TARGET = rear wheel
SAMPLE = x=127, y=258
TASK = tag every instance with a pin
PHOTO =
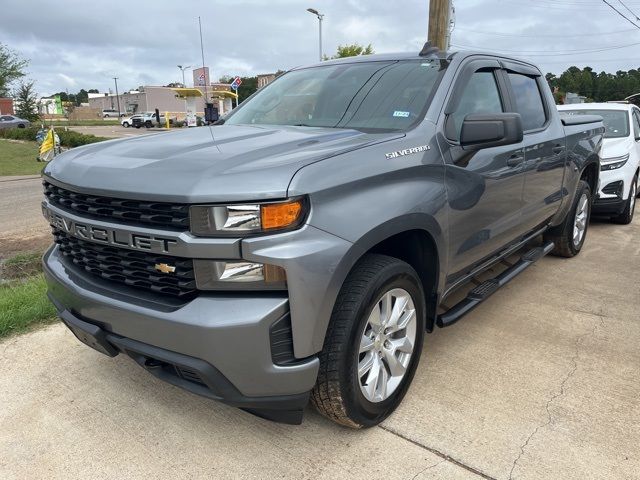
x=373, y=343
x=626, y=217
x=570, y=235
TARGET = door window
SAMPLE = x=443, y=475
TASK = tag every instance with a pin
x=481, y=95
x=6, y=118
x=528, y=101
x=636, y=125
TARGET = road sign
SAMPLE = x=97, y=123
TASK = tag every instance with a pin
x=236, y=83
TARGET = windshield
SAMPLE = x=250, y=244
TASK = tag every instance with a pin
x=385, y=96
x=616, y=122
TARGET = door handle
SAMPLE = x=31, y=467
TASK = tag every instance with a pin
x=557, y=149
x=515, y=160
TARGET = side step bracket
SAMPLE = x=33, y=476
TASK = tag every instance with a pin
x=483, y=291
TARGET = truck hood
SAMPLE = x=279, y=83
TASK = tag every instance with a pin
x=616, y=147
x=207, y=164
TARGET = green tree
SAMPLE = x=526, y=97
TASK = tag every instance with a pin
x=352, y=50
x=26, y=101
x=82, y=97
x=248, y=86
x=11, y=69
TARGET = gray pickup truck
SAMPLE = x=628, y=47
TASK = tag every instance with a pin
x=301, y=248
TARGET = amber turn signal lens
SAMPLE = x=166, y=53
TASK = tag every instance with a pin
x=280, y=215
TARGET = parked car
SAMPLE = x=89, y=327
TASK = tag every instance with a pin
x=148, y=120
x=128, y=121
x=109, y=113
x=11, y=121
x=301, y=248
x=620, y=165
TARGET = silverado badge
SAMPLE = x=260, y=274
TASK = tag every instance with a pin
x=407, y=151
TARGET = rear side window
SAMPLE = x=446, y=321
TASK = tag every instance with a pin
x=481, y=95
x=636, y=124
x=528, y=101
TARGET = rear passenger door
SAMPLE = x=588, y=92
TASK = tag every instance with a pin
x=484, y=187
x=544, y=144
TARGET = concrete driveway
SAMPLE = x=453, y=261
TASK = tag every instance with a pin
x=540, y=382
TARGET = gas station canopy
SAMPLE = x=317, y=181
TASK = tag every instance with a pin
x=187, y=92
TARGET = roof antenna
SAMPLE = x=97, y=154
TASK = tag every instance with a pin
x=428, y=49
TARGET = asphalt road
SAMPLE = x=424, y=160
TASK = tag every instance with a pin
x=20, y=214
x=542, y=381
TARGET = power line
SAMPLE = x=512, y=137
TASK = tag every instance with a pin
x=630, y=11
x=547, y=53
x=544, y=36
x=622, y=15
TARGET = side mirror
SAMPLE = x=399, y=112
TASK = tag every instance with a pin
x=485, y=130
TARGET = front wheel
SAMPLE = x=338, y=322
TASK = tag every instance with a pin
x=626, y=217
x=125, y=124
x=373, y=343
x=570, y=235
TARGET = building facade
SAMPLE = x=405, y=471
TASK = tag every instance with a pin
x=266, y=79
x=148, y=98
x=6, y=106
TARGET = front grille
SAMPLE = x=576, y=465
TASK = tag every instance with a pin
x=133, y=268
x=174, y=216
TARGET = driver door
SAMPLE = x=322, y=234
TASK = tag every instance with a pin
x=484, y=187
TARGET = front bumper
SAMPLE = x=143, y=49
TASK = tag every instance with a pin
x=223, y=338
x=609, y=206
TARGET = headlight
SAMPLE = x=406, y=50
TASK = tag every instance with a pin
x=238, y=275
x=613, y=163
x=247, y=219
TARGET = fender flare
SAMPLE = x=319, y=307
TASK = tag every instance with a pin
x=395, y=226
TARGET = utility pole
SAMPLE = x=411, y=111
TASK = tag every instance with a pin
x=439, y=23
x=115, y=79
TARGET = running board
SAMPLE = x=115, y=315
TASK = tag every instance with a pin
x=483, y=291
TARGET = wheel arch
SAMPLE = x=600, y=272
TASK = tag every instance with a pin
x=590, y=173
x=389, y=239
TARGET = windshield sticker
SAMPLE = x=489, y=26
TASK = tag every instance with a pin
x=407, y=151
x=399, y=113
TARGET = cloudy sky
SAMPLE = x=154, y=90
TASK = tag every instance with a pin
x=73, y=44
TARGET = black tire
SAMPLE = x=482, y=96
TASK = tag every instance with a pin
x=21, y=125
x=562, y=235
x=626, y=217
x=337, y=394
x=125, y=124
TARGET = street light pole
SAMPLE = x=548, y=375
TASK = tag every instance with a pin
x=182, y=69
x=320, y=18
x=115, y=79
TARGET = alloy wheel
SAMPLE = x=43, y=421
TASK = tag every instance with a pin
x=580, y=222
x=386, y=345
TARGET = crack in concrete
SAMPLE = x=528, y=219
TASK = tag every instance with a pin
x=562, y=391
x=444, y=456
x=427, y=468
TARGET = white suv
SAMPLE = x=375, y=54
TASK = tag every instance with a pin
x=620, y=157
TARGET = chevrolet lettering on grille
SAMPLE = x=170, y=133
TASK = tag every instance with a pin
x=86, y=231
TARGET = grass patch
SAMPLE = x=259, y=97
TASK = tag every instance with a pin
x=82, y=123
x=22, y=265
x=19, y=158
x=24, y=304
